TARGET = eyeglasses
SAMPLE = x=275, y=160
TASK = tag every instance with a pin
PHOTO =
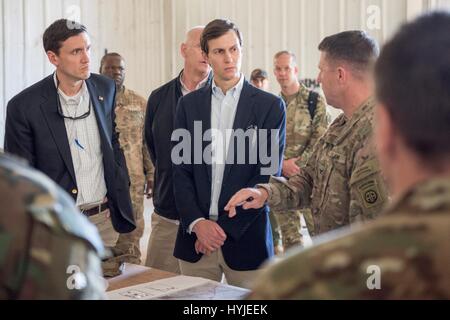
x=60, y=110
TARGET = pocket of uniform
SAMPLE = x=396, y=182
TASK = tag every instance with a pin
x=335, y=162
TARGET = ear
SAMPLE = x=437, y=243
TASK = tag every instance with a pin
x=183, y=48
x=205, y=56
x=296, y=70
x=53, y=58
x=342, y=74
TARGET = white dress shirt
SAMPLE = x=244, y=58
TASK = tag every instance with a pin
x=223, y=112
x=85, y=146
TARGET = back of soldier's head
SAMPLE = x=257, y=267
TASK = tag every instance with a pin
x=413, y=83
x=47, y=249
x=356, y=48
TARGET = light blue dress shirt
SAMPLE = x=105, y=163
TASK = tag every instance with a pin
x=223, y=112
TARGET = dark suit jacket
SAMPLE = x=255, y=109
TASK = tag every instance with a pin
x=159, y=122
x=36, y=132
x=249, y=239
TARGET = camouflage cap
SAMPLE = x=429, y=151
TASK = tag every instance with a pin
x=258, y=74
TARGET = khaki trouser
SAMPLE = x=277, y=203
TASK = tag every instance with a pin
x=105, y=228
x=214, y=266
x=128, y=243
x=161, y=245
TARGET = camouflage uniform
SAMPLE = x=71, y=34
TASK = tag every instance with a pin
x=301, y=136
x=44, y=239
x=341, y=182
x=409, y=244
x=130, y=117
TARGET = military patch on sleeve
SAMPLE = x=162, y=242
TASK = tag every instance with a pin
x=370, y=194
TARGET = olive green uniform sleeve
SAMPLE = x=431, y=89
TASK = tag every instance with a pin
x=293, y=193
x=368, y=194
x=148, y=165
x=319, y=127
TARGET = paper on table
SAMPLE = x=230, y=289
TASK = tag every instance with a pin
x=179, y=288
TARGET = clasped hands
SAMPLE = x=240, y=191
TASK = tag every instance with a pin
x=210, y=236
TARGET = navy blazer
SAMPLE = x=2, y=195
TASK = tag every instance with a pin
x=249, y=238
x=35, y=131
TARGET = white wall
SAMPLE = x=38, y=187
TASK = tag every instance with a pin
x=148, y=33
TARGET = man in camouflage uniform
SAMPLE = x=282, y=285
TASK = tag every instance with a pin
x=130, y=116
x=306, y=122
x=48, y=250
x=405, y=253
x=341, y=182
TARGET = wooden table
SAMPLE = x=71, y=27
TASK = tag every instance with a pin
x=135, y=274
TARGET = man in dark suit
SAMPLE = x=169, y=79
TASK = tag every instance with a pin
x=159, y=122
x=209, y=244
x=64, y=126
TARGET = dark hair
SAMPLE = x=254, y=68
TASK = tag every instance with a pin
x=413, y=82
x=58, y=32
x=109, y=54
x=216, y=29
x=354, y=47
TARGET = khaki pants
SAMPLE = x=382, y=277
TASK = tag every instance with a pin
x=105, y=228
x=128, y=243
x=161, y=245
x=214, y=266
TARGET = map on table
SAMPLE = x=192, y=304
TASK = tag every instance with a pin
x=179, y=288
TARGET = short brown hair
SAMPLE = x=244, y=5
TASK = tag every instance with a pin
x=58, y=32
x=216, y=29
x=354, y=47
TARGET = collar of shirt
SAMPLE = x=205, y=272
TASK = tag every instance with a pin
x=235, y=91
x=184, y=88
x=71, y=99
x=363, y=109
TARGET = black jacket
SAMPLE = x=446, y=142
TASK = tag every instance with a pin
x=35, y=131
x=159, y=123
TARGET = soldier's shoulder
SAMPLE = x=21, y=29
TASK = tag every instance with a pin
x=40, y=229
x=30, y=194
x=134, y=95
x=364, y=126
x=341, y=264
x=305, y=94
x=296, y=275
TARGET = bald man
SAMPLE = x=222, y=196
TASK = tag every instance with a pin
x=158, y=130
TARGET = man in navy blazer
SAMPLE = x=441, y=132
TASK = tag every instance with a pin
x=64, y=126
x=208, y=170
